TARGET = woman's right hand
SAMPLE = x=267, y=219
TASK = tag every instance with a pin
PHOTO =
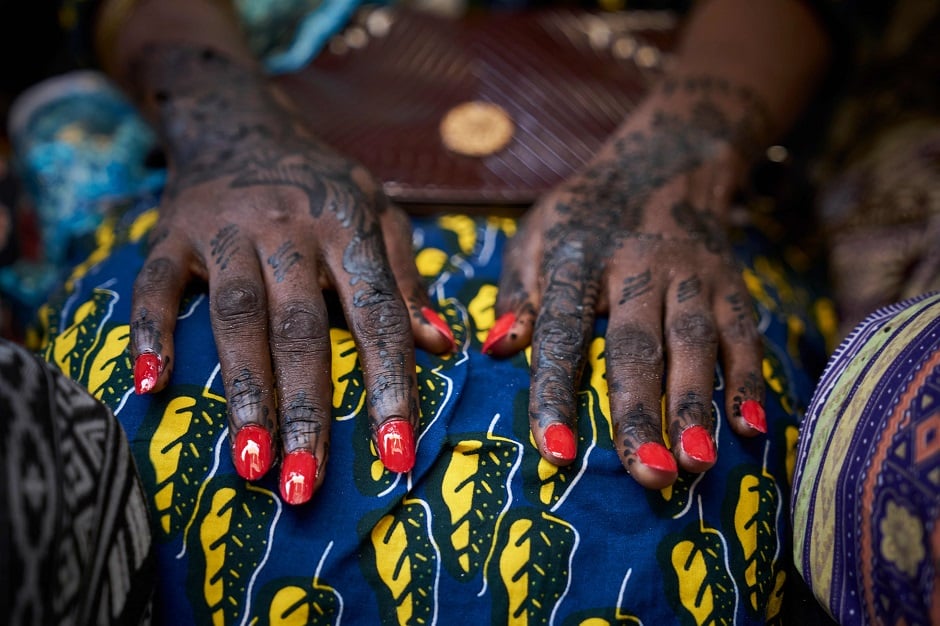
x=268, y=217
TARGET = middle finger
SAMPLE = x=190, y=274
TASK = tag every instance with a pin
x=300, y=350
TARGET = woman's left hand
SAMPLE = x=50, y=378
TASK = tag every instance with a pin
x=640, y=235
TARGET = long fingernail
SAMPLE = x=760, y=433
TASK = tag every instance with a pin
x=753, y=413
x=146, y=372
x=298, y=476
x=697, y=442
x=252, y=452
x=396, y=444
x=440, y=325
x=499, y=330
x=560, y=443
x=656, y=456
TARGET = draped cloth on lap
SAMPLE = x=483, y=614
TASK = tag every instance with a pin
x=482, y=525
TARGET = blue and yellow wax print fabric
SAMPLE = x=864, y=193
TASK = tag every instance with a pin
x=482, y=529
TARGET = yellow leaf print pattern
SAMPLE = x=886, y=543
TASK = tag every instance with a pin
x=181, y=453
x=93, y=349
x=699, y=566
x=348, y=387
x=405, y=563
x=482, y=310
x=533, y=567
x=306, y=602
x=296, y=606
x=233, y=540
x=474, y=486
x=773, y=612
x=755, y=524
x=777, y=378
x=111, y=373
x=73, y=348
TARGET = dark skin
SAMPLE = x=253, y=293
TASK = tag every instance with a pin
x=268, y=217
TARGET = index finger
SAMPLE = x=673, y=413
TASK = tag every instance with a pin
x=559, y=345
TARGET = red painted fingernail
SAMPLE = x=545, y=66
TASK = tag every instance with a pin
x=298, y=476
x=753, y=413
x=146, y=372
x=656, y=456
x=560, y=443
x=499, y=330
x=396, y=443
x=252, y=452
x=697, y=442
x=435, y=320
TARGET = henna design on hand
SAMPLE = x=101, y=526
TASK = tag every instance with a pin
x=689, y=288
x=636, y=286
x=224, y=245
x=284, y=258
x=608, y=207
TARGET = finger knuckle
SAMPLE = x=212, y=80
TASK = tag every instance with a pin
x=298, y=321
x=695, y=330
x=557, y=339
x=246, y=395
x=380, y=324
x=239, y=300
x=154, y=276
x=632, y=344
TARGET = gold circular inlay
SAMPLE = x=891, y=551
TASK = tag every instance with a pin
x=476, y=128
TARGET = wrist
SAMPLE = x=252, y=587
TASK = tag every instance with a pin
x=721, y=113
x=204, y=102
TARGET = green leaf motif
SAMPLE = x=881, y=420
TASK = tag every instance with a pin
x=401, y=565
x=693, y=563
x=72, y=349
x=753, y=502
x=232, y=533
x=531, y=562
x=675, y=500
x=297, y=600
x=175, y=451
x=474, y=487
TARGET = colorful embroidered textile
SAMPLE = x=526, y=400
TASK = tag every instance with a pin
x=482, y=526
x=867, y=486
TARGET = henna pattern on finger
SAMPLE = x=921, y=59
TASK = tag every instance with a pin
x=638, y=425
x=301, y=423
x=689, y=288
x=284, y=258
x=562, y=331
x=146, y=333
x=634, y=350
x=246, y=400
x=695, y=330
x=743, y=327
x=224, y=245
x=752, y=389
x=636, y=286
x=692, y=408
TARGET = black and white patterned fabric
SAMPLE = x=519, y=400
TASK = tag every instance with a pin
x=75, y=537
